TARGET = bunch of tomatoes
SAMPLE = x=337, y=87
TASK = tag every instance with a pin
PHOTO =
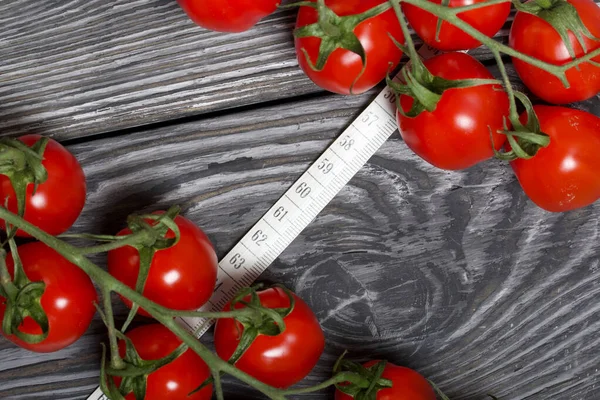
x=345, y=46
x=181, y=276
x=468, y=124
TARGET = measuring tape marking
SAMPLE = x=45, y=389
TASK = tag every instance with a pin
x=302, y=203
x=306, y=198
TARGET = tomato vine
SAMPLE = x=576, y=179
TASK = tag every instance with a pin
x=450, y=15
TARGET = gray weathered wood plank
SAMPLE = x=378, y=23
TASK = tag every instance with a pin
x=76, y=68
x=455, y=274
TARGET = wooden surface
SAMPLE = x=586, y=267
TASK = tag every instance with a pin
x=455, y=274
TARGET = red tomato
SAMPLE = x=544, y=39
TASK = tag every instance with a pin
x=59, y=200
x=487, y=20
x=68, y=299
x=228, y=15
x=456, y=135
x=407, y=384
x=281, y=360
x=343, y=67
x=181, y=277
x=564, y=175
x=535, y=37
x=175, y=380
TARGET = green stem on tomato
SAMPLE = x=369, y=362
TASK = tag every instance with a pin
x=514, y=114
x=584, y=58
x=340, y=377
x=242, y=312
x=129, y=240
x=6, y=282
x=412, y=51
x=450, y=15
x=90, y=236
x=116, y=361
x=218, y=385
x=373, y=12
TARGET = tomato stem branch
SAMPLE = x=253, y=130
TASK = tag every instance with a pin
x=513, y=113
x=413, y=55
x=587, y=57
x=450, y=15
x=6, y=282
x=90, y=236
x=218, y=385
x=242, y=312
x=337, y=378
x=129, y=240
x=116, y=361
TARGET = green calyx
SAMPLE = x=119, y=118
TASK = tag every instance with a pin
x=262, y=321
x=425, y=88
x=369, y=386
x=158, y=241
x=563, y=17
x=23, y=166
x=22, y=299
x=134, y=375
x=525, y=140
x=335, y=33
x=163, y=223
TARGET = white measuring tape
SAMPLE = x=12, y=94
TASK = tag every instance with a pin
x=296, y=209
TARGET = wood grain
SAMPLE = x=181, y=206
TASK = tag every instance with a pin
x=455, y=274
x=74, y=68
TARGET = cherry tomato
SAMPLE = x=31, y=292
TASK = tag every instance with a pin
x=537, y=38
x=456, y=135
x=564, y=175
x=487, y=20
x=407, y=384
x=281, y=360
x=58, y=201
x=68, y=299
x=176, y=380
x=343, y=67
x=228, y=15
x=181, y=277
